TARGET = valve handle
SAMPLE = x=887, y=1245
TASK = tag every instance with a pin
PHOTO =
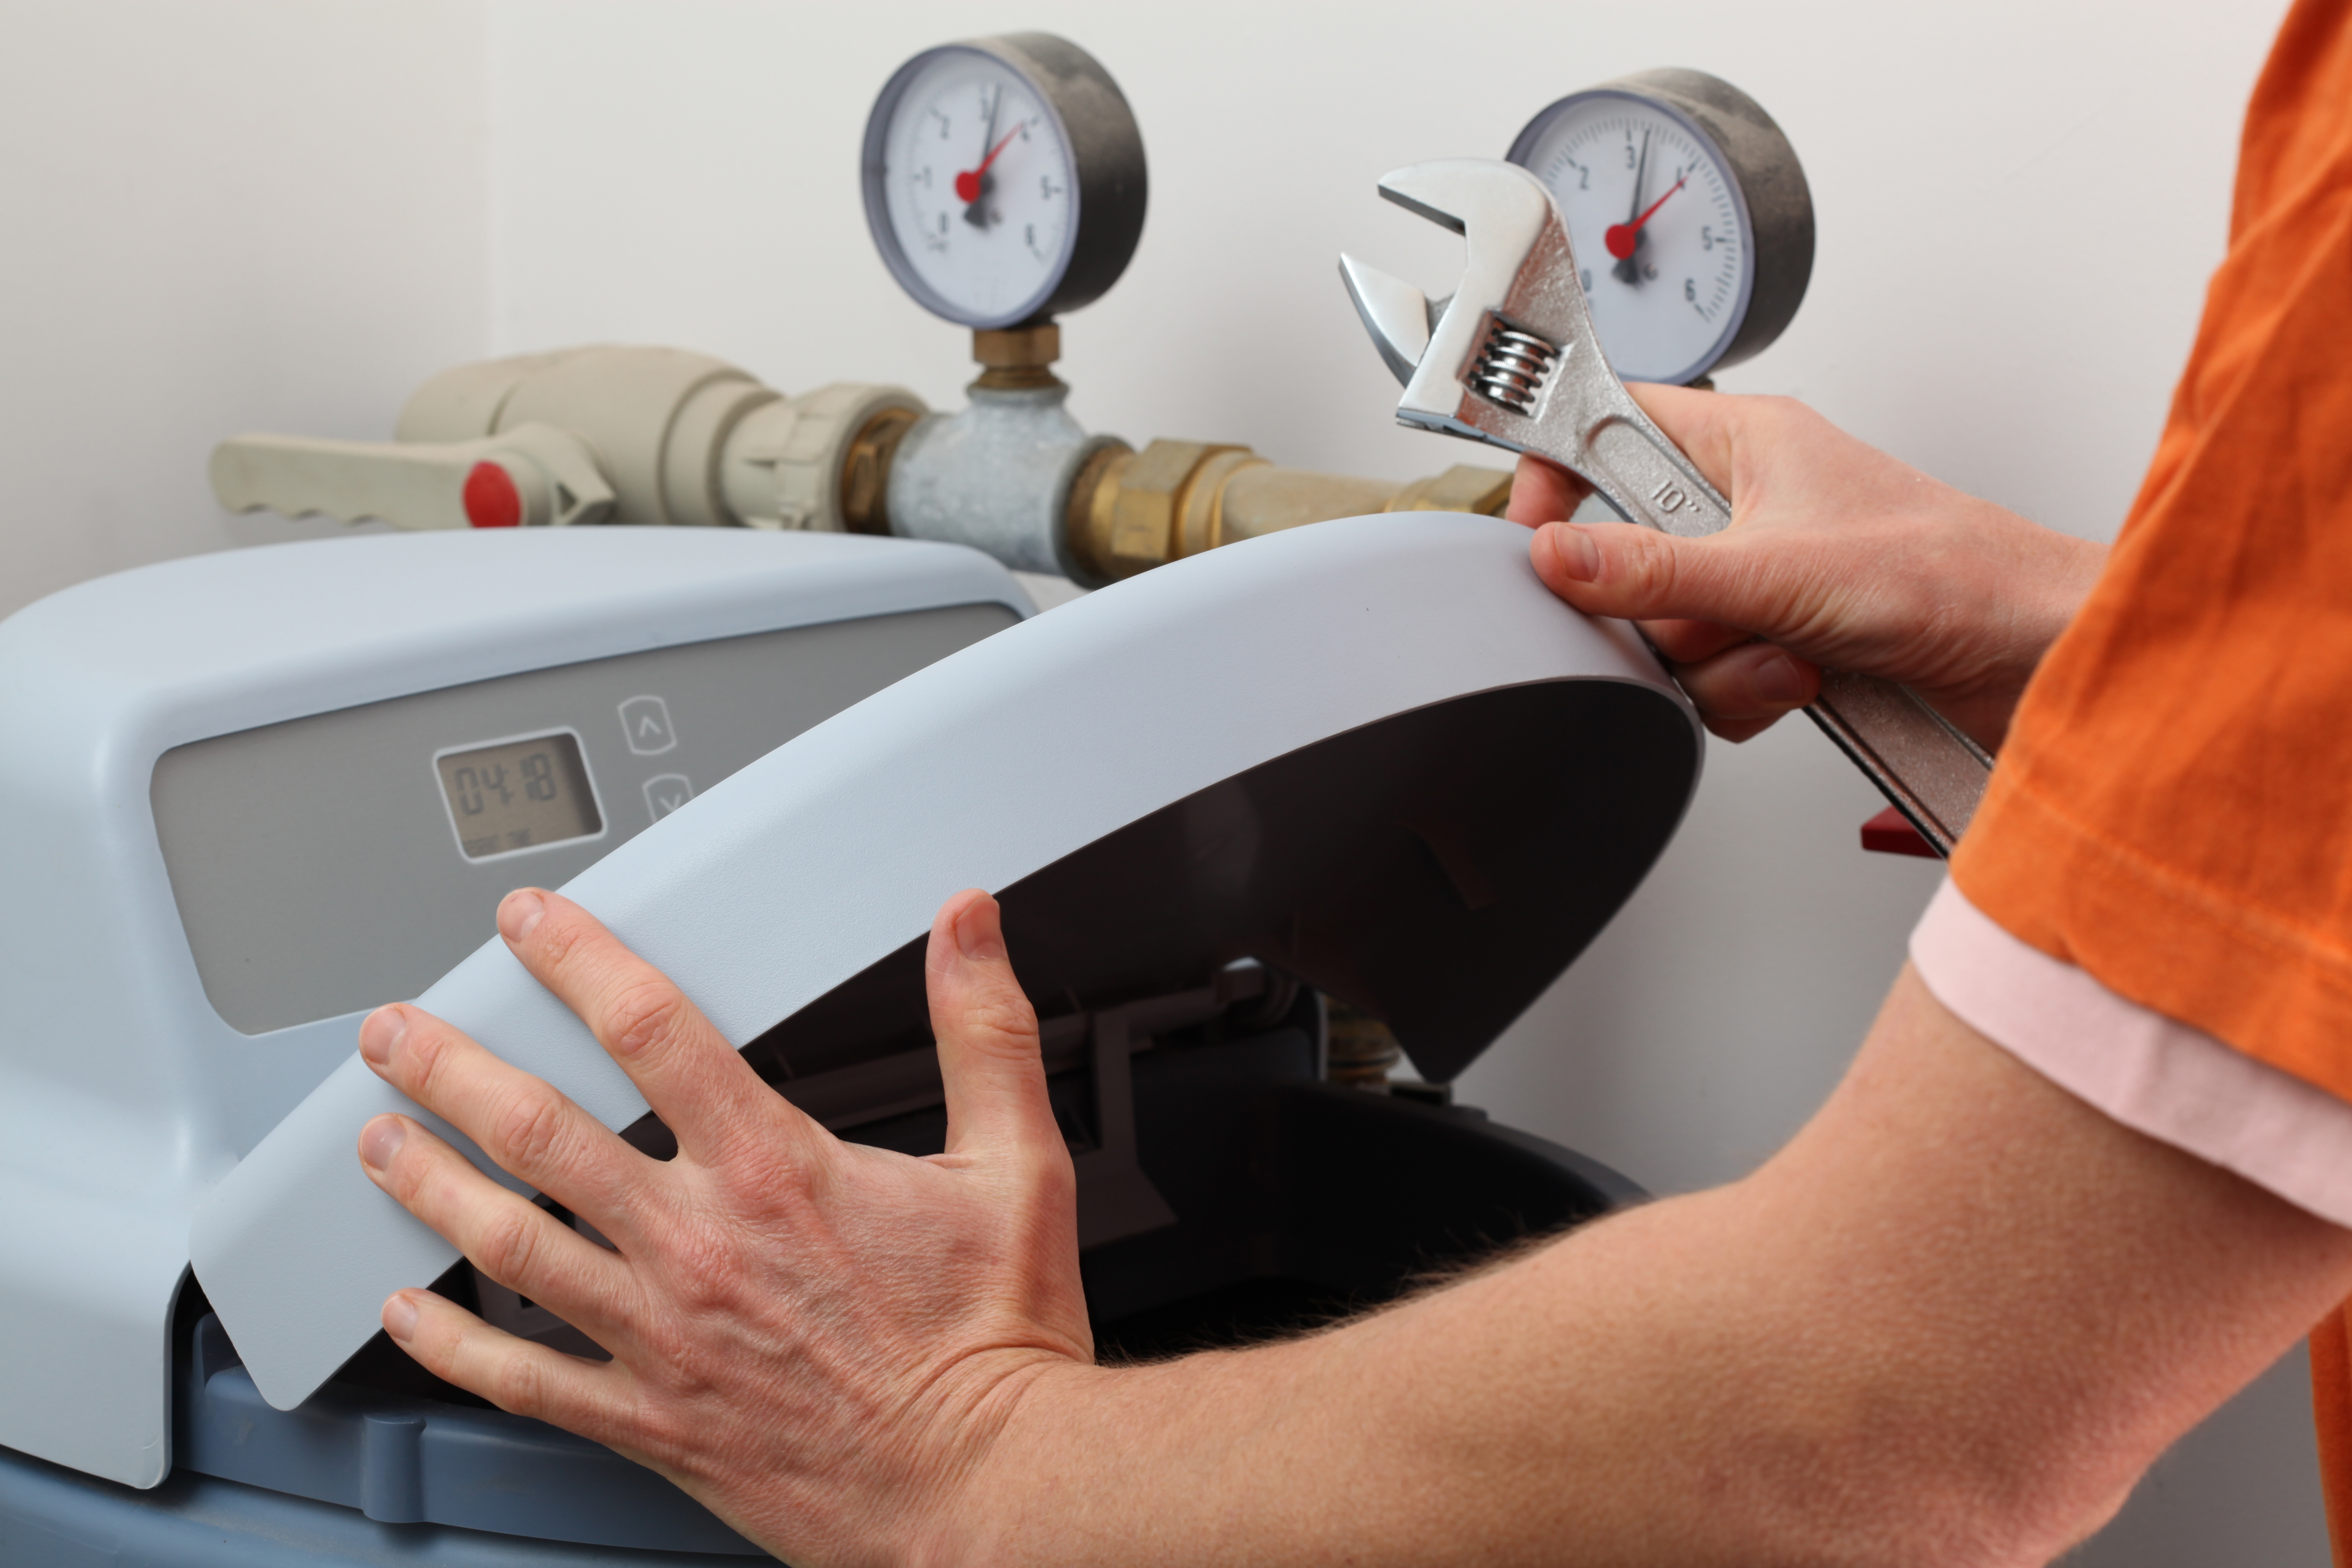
x=533, y=475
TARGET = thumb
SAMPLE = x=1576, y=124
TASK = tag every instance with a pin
x=987, y=1032
x=1705, y=425
x=1635, y=574
x=1638, y=574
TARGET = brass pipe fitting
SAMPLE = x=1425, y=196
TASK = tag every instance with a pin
x=866, y=471
x=1129, y=511
x=1015, y=359
x=1465, y=486
x=1361, y=1050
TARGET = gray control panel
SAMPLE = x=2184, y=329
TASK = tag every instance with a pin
x=335, y=862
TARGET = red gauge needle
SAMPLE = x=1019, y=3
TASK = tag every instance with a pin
x=968, y=183
x=1620, y=237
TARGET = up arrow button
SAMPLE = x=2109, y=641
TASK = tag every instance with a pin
x=646, y=721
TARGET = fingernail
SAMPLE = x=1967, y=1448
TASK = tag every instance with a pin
x=1578, y=557
x=1778, y=681
x=380, y=1140
x=976, y=931
x=380, y=1035
x=520, y=913
x=400, y=1313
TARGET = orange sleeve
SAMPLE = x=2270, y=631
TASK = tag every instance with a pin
x=2331, y=1410
x=2173, y=810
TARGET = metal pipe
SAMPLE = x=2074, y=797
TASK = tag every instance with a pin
x=651, y=436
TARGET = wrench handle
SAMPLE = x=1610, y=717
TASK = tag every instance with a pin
x=1642, y=473
x=1933, y=774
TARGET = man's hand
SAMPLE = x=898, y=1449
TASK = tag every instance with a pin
x=816, y=1339
x=1837, y=555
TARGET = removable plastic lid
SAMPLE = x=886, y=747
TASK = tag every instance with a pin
x=1376, y=754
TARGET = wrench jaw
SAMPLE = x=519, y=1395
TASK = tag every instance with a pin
x=1503, y=345
x=1513, y=359
x=1398, y=316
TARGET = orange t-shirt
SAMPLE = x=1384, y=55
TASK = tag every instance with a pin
x=2173, y=808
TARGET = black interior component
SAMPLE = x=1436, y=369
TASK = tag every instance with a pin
x=1299, y=1202
x=1436, y=869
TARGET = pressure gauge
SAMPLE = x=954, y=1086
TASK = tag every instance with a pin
x=1003, y=179
x=1691, y=220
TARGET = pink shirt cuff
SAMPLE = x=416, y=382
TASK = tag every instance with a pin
x=2175, y=1084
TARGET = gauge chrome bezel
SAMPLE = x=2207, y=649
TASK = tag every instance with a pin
x=1108, y=184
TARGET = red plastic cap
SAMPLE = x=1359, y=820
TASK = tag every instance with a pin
x=1889, y=834
x=490, y=497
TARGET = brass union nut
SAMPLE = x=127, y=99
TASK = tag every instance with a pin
x=1200, y=511
x=1142, y=506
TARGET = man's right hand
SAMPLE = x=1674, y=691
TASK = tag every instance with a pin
x=1837, y=557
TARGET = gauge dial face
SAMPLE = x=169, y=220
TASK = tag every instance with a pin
x=973, y=201
x=1663, y=241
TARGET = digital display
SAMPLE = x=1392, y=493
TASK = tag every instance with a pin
x=519, y=795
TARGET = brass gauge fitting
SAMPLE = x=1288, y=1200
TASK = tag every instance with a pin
x=1016, y=359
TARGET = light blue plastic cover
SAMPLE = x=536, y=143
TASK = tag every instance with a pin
x=123, y=1096
x=834, y=850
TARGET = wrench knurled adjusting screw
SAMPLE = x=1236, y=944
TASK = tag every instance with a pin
x=1511, y=367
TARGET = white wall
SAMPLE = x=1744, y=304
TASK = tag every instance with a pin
x=283, y=214
x=238, y=215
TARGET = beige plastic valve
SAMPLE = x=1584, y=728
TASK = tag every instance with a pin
x=651, y=436
x=531, y=475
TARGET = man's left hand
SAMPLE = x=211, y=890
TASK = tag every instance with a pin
x=817, y=1339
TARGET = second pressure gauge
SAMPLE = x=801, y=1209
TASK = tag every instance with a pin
x=1691, y=219
x=1003, y=179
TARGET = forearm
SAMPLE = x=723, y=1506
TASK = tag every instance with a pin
x=1505, y=1419
x=1620, y=1400
x=1899, y=1341
x=1949, y=1324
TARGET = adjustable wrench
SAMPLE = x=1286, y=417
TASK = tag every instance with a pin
x=1510, y=359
